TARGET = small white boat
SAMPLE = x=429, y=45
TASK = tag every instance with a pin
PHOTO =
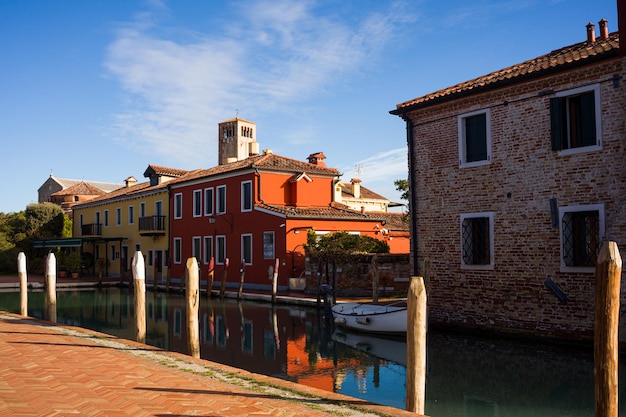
x=373, y=318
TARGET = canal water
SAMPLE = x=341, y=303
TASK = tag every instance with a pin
x=466, y=376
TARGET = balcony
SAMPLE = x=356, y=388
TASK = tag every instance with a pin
x=152, y=226
x=91, y=229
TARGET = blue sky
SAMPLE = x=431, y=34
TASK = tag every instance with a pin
x=97, y=90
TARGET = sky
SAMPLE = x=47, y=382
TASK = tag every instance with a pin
x=97, y=90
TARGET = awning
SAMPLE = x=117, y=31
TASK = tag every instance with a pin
x=57, y=243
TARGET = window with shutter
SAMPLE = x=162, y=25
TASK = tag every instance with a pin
x=574, y=120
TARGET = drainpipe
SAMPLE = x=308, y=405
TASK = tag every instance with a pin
x=412, y=192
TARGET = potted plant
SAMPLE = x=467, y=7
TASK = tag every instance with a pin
x=74, y=262
x=62, y=264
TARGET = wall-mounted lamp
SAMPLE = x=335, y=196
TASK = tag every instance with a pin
x=211, y=220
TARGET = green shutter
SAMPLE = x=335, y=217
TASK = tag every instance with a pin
x=557, y=108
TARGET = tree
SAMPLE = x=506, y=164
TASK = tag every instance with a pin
x=403, y=187
x=342, y=246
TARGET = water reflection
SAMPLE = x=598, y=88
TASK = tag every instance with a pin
x=466, y=376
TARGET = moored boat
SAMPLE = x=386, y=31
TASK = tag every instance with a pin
x=374, y=318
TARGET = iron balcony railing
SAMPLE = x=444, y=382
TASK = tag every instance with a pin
x=91, y=229
x=150, y=224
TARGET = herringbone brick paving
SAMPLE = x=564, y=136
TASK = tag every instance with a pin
x=52, y=370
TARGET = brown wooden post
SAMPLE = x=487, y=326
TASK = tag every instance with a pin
x=606, y=343
x=211, y=275
x=21, y=272
x=51, y=287
x=139, y=280
x=275, y=280
x=375, y=278
x=416, y=346
x=242, y=274
x=192, y=285
x=224, y=277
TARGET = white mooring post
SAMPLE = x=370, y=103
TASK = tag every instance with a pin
x=51, y=287
x=192, y=284
x=21, y=272
x=139, y=280
x=275, y=280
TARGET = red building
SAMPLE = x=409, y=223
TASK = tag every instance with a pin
x=254, y=209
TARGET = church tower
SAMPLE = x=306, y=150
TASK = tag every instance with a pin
x=236, y=140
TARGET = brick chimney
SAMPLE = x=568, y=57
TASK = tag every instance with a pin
x=130, y=181
x=356, y=187
x=604, y=29
x=591, y=33
x=317, y=159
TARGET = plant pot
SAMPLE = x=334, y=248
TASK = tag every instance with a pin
x=62, y=274
x=74, y=275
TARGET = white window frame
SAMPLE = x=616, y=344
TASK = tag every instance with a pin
x=106, y=218
x=246, y=193
x=142, y=210
x=178, y=205
x=208, y=249
x=269, y=248
x=220, y=244
x=462, y=138
x=131, y=214
x=209, y=201
x=196, y=248
x=178, y=250
x=598, y=110
x=491, y=264
x=220, y=199
x=246, y=237
x=118, y=216
x=197, y=203
x=602, y=224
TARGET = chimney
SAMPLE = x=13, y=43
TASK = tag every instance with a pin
x=317, y=159
x=356, y=187
x=604, y=29
x=591, y=33
x=130, y=181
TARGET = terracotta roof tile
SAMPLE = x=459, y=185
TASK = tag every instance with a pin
x=559, y=59
x=161, y=170
x=366, y=193
x=81, y=188
x=331, y=212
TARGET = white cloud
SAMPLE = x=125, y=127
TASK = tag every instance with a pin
x=279, y=53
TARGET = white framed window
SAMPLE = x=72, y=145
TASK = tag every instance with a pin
x=246, y=196
x=246, y=248
x=197, y=203
x=208, y=249
x=268, y=245
x=196, y=248
x=178, y=206
x=220, y=249
x=118, y=216
x=477, y=245
x=208, y=201
x=80, y=221
x=112, y=254
x=575, y=120
x=581, y=228
x=221, y=200
x=142, y=209
x=158, y=208
x=106, y=218
x=474, y=138
x=178, y=250
x=131, y=214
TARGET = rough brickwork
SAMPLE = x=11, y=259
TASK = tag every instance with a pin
x=524, y=174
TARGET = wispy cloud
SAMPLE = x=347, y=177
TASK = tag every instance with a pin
x=279, y=53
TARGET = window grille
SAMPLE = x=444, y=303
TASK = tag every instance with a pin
x=476, y=245
x=581, y=238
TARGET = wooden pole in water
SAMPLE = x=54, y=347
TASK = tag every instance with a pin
x=21, y=272
x=374, y=267
x=192, y=286
x=139, y=279
x=606, y=343
x=416, y=346
x=209, y=284
x=224, y=277
x=275, y=280
x=242, y=274
x=51, y=287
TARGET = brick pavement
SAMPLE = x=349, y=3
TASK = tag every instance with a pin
x=52, y=370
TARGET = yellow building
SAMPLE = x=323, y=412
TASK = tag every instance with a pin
x=114, y=226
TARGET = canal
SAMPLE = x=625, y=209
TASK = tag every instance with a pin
x=466, y=376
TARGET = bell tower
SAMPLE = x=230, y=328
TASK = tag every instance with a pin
x=236, y=140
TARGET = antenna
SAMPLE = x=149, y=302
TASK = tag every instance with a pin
x=358, y=170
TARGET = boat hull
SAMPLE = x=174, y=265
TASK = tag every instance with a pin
x=371, y=318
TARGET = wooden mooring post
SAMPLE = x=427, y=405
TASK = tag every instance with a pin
x=416, y=346
x=606, y=342
x=192, y=286
x=375, y=278
x=210, y=277
x=275, y=280
x=224, y=278
x=51, y=287
x=139, y=280
x=21, y=272
x=242, y=275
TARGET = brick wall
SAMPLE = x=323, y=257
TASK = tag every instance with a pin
x=524, y=174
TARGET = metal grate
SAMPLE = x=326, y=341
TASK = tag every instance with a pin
x=581, y=238
x=476, y=245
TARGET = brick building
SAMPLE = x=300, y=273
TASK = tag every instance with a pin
x=517, y=177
